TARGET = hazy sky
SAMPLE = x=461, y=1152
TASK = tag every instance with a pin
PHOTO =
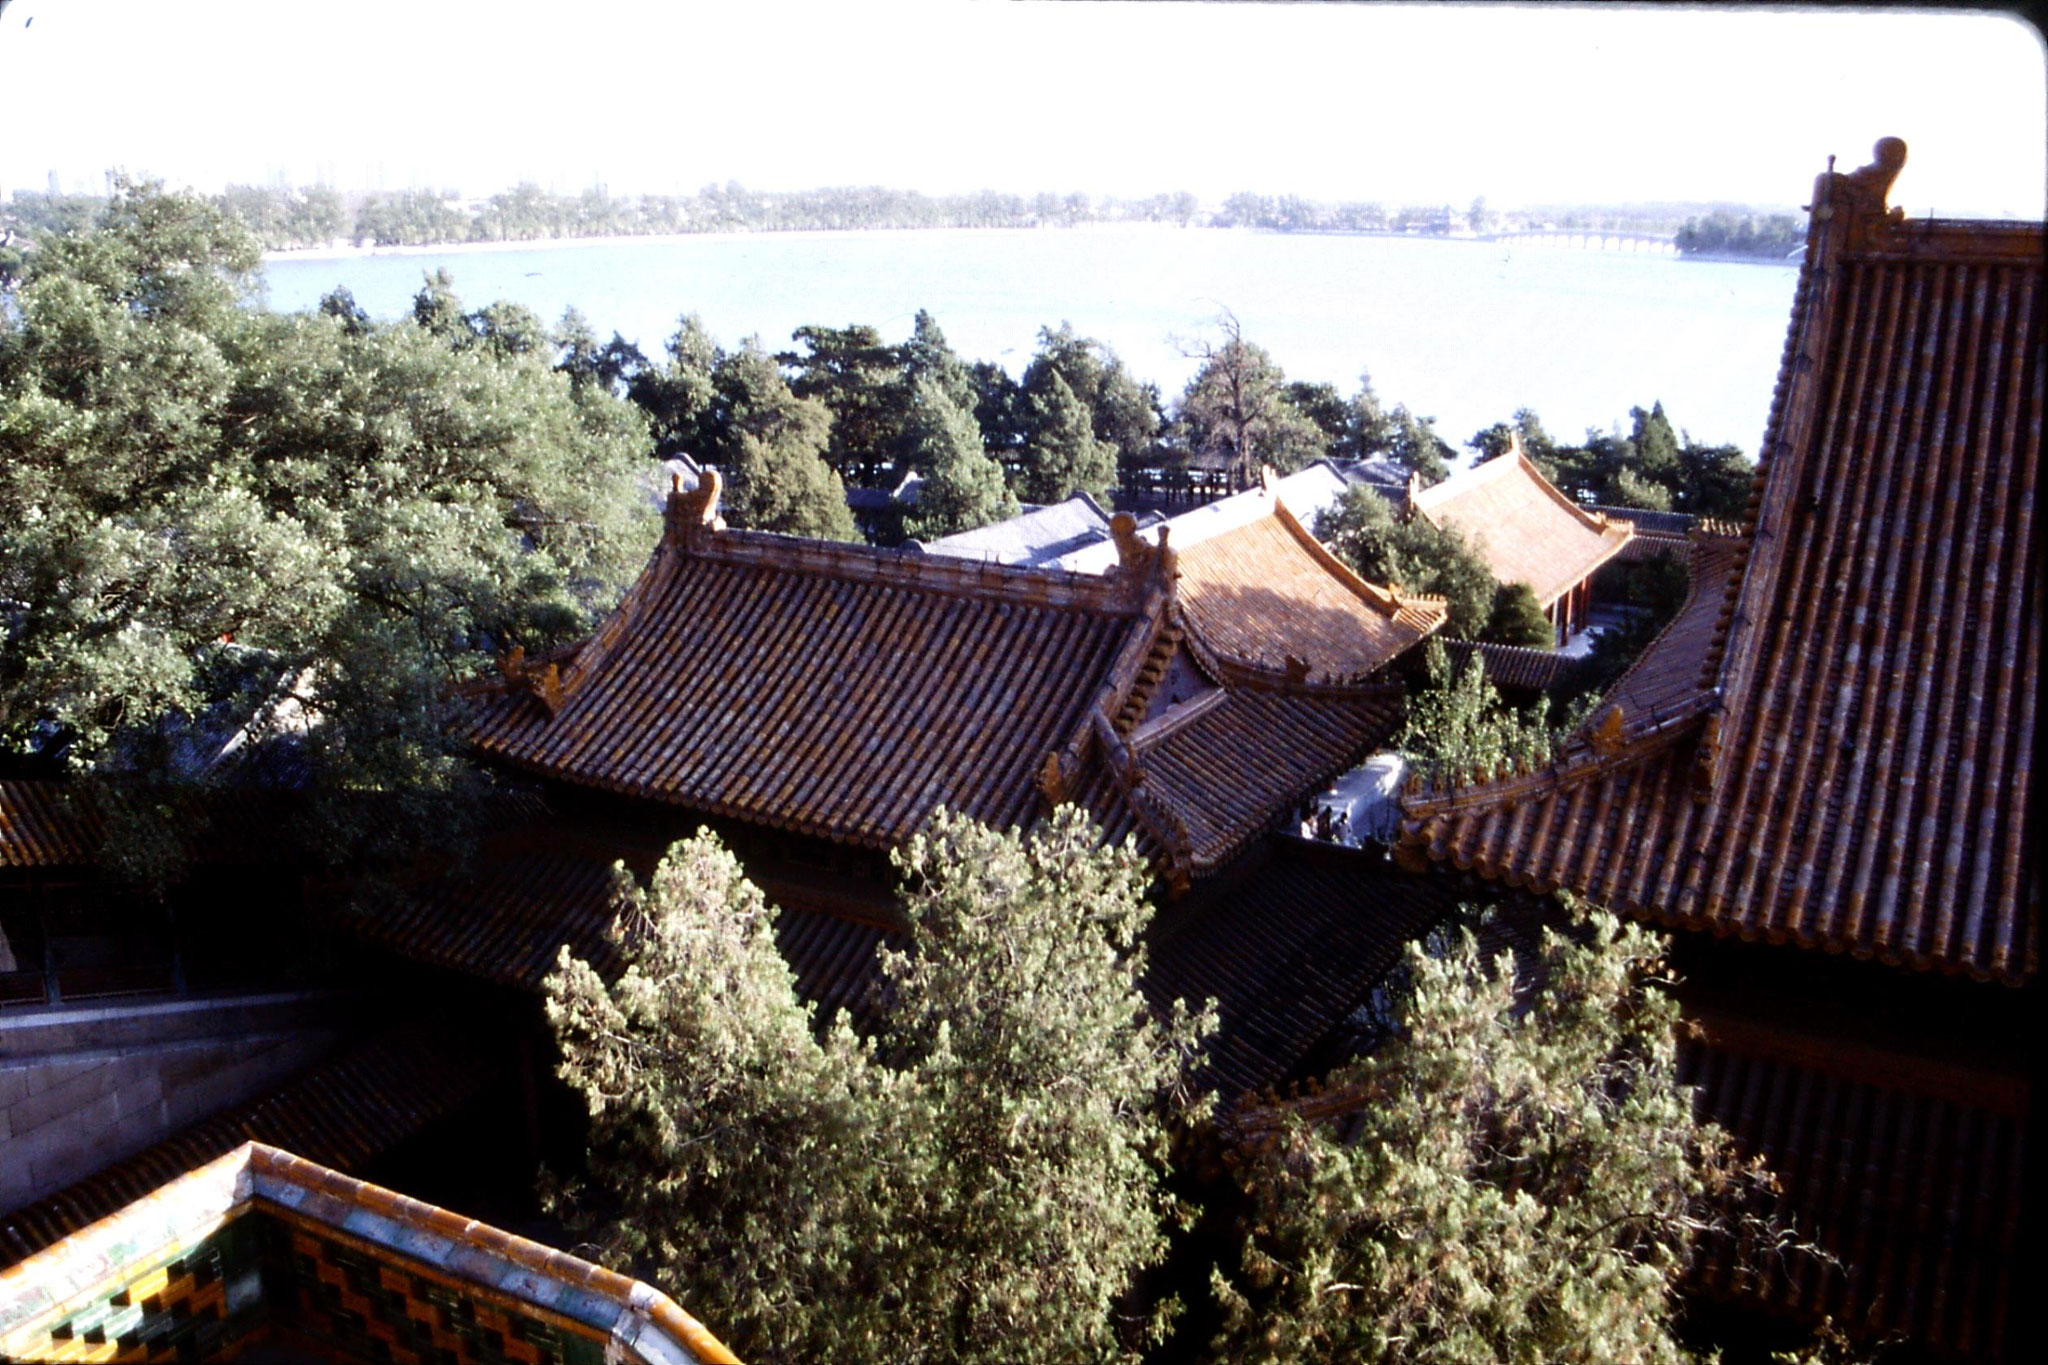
x=1396, y=103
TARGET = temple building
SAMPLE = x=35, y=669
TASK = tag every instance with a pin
x=1527, y=531
x=1820, y=776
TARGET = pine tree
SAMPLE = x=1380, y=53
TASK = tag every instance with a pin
x=962, y=487
x=1517, y=619
x=980, y=1184
x=1521, y=1178
x=1061, y=454
x=773, y=452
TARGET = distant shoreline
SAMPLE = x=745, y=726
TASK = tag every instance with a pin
x=346, y=253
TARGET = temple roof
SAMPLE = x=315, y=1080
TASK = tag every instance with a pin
x=1832, y=745
x=1526, y=530
x=834, y=690
x=261, y=1246
x=1905, y=1173
x=1036, y=535
x=847, y=692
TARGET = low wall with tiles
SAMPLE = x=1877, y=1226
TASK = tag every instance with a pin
x=83, y=1088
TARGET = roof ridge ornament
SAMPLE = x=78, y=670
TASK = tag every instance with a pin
x=1861, y=196
x=1144, y=568
x=692, y=514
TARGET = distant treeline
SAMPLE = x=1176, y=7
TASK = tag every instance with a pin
x=1723, y=234
x=284, y=218
x=315, y=216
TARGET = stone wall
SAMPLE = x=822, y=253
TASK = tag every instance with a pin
x=81, y=1088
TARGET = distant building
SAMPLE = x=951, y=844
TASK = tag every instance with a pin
x=1037, y=535
x=1527, y=531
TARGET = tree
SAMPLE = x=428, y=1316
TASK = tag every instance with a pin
x=206, y=507
x=926, y=355
x=1523, y=1179
x=772, y=445
x=979, y=1184
x=1415, y=444
x=855, y=376
x=1121, y=411
x=1456, y=723
x=679, y=396
x=1517, y=619
x=1235, y=409
x=1414, y=555
x=962, y=488
x=1370, y=431
x=1061, y=455
x=612, y=366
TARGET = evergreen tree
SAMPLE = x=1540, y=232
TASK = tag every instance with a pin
x=205, y=506
x=1121, y=411
x=927, y=356
x=684, y=412
x=856, y=377
x=1517, y=619
x=1371, y=431
x=772, y=449
x=981, y=1186
x=1416, y=445
x=1521, y=1177
x=1656, y=446
x=962, y=488
x=1236, y=409
x=1061, y=455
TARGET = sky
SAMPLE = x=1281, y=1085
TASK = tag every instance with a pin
x=1395, y=103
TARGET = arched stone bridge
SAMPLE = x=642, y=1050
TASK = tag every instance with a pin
x=1586, y=239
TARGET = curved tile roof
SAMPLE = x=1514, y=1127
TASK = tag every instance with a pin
x=1855, y=770
x=1527, y=531
x=1266, y=593
x=838, y=691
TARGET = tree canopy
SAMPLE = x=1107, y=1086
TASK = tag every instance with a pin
x=962, y=486
x=206, y=508
x=1238, y=410
x=979, y=1183
x=1521, y=1176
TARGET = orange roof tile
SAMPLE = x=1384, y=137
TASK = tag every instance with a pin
x=1266, y=593
x=1527, y=530
x=1850, y=768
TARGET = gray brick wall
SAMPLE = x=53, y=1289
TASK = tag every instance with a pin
x=81, y=1089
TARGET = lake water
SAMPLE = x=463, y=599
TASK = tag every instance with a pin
x=1466, y=331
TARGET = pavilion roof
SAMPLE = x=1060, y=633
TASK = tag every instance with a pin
x=1832, y=745
x=1527, y=531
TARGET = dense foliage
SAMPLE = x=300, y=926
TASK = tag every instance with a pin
x=1653, y=467
x=1456, y=724
x=981, y=1183
x=213, y=516
x=1520, y=1178
x=1721, y=233
x=1414, y=555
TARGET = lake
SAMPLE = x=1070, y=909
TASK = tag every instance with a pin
x=1467, y=331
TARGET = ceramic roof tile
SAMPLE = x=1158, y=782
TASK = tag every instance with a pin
x=1858, y=770
x=1034, y=536
x=1527, y=531
x=1266, y=593
x=837, y=691
x=1288, y=950
x=1906, y=1173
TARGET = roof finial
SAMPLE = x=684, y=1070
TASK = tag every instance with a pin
x=693, y=513
x=1863, y=192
